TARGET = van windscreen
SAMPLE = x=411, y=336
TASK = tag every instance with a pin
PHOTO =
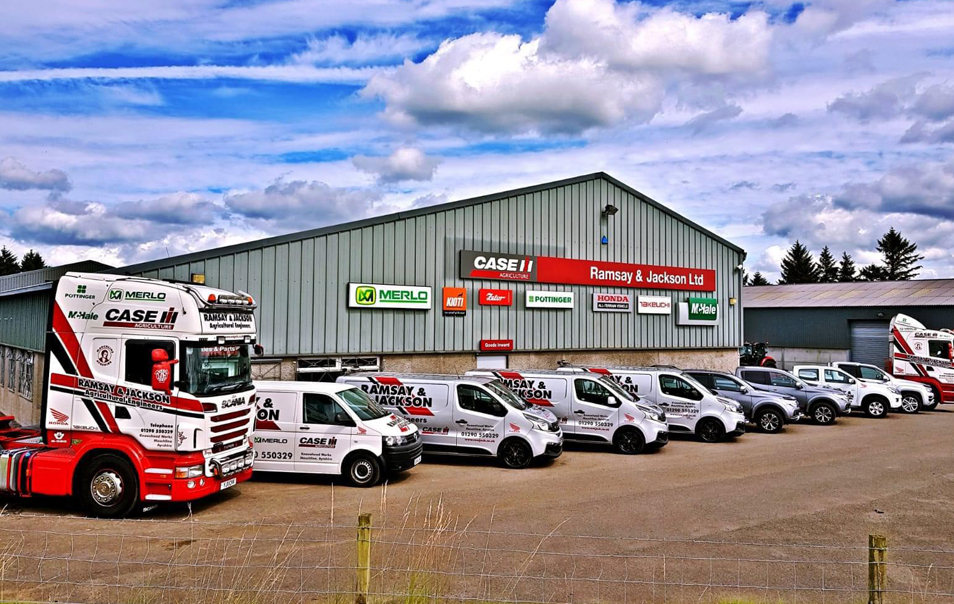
x=361, y=404
x=506, y=395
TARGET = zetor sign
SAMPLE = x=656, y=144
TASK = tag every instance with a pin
x=568, y=271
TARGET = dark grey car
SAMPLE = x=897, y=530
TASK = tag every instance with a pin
x=768, y=410
x=822, y=405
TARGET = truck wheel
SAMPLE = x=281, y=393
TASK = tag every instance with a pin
x=876, y=407
x=108, y=486
x=363, y=470
x=629, y=441
x=515, y=454
x=770, y=421
x=937, y=400
x=710, y=430
x=824, y=414
x=910, y=403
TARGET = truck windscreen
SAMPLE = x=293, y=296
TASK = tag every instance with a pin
x=211, y=369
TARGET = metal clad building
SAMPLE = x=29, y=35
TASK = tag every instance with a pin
x=301, y=280
x=825, y=322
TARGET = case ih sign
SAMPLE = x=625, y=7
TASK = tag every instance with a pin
x=569, y=271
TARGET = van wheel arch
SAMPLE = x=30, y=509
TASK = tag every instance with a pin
x=913, y=394
x=516, y=461
x=377, y=470
x=873, y=399
x=759, y=411
x=823, y=402
x=628, y=446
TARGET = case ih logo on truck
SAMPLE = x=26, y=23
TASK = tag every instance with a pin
x=139, y=318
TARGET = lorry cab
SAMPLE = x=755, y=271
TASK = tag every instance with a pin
x=689, y=406
x=923, y=355
x=327, y=428
x=148, y=395
x=914, y=396
x=466, y=415
x=590, y=407
x=875, y=400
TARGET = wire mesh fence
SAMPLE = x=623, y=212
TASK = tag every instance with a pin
x=433, y=558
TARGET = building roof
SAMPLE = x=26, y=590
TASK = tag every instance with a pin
x=328, y=230
x=40, y=279
x=923, y=292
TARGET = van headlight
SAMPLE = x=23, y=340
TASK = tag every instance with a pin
x=394, y=441
x=894, y=390
x=538, y=423
x=733, y=406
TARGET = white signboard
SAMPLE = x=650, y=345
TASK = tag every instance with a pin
x=367, y=295
x=654, y=305
x=536, y=299
x=612, y=303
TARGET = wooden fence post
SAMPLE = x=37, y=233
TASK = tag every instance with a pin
x=877, y=569
x=364, y=559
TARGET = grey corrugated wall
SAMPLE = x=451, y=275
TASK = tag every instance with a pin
x=301, y=286
x=23, y=320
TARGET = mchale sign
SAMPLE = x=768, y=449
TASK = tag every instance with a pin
x=544, y=269
x=495, y=297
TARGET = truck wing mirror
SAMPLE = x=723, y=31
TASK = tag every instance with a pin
x=258, y=349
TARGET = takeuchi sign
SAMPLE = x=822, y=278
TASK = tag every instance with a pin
x=569, y=271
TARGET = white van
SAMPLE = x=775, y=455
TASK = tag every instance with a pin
x=590, y=407
x=690, y=407
x=466, y=415
x=323, y=428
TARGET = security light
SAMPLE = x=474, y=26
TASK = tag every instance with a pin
x=610, y=210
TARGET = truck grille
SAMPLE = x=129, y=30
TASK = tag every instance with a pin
x=230, y=426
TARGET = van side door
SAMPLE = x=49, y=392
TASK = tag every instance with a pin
x=595, y=410
x=275, y=430
x=324, y=434
x=479, y=419
x=838, y=380
x=679, y=399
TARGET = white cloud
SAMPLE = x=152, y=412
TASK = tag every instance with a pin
x=597, y=64
x=406, y=163
x=365, y=49
x=16, y=176
x=707, y=118
x=884, y=101
x=926, y=189
x=179, y=208
x=74, y=223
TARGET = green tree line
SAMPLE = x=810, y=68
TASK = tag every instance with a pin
x=899, y=262
x=10, y=265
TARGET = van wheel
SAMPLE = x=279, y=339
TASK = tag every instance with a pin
x=824, y=414
x=108, y=486
x=937, y=400
x=363, y=470
x=910, y=403
x=629, y=441
x=770, y=421
x=876, y=407
x=710, y=430
x=515, y=454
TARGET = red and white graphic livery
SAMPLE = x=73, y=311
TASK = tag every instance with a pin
x=923, y=355
x=148, y=397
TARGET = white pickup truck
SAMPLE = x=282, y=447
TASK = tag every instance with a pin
x=875, y=400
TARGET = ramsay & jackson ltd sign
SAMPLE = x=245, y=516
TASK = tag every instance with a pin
x=569, y=271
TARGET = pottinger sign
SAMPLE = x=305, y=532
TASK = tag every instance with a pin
x=569, y=271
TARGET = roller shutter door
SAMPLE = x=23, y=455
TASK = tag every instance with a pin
x=869, y=342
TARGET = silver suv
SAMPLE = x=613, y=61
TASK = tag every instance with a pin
x=822, y=405
x=768, y=410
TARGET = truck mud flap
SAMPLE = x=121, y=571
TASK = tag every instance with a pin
x=13, y=470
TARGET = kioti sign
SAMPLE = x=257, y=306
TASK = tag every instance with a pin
x=544, y=269
x=455, y=301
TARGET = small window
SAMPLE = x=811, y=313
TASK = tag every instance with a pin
x=756, y=377
x=703, y=378
x=809, y=374
x=321, y=409
x=471, y=398
x=138, y=359
x=678, y=387
x=870, y=373
x=589, y=391
x=835, y=377
x=781, y=380
x=938, y=348
x=26, y=376
x=720, y=382
x=12, y=360
x=854, y=370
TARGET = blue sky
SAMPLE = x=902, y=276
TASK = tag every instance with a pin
x=130, y=131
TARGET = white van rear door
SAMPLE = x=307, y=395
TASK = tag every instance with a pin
x=275, y=430
x=324, y=434
x=592, y=415
x=479, y=419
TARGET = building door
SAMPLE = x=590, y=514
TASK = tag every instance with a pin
x=869, y=342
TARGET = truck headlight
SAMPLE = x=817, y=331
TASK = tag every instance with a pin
x=537, y=422
x=189, y=471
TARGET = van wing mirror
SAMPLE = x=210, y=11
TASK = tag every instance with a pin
x=612, y=402
x=343, y=419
